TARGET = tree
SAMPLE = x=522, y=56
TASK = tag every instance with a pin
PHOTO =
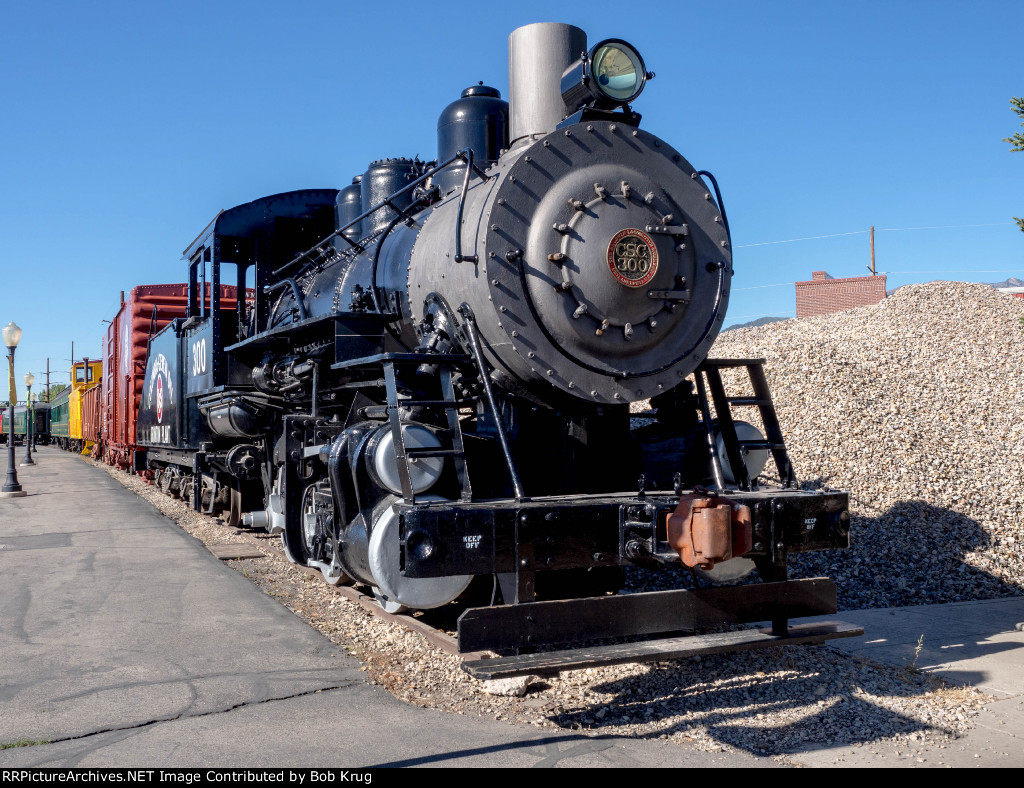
x=1017, y=141
x=54, y=390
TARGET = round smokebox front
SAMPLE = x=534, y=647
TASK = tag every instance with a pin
x=611, y=263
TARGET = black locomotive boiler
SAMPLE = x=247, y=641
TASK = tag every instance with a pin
x=429, y=389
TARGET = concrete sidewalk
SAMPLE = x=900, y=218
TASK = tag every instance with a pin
x=126, y=643
x=978, y=644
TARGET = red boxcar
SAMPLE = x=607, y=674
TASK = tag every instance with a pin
x=148, y=309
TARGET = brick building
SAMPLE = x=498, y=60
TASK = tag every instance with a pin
x=825, y=294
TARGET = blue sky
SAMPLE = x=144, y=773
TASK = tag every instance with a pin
x=127, y=126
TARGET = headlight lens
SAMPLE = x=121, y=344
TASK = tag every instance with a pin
x=618, y=71
x=610, y=75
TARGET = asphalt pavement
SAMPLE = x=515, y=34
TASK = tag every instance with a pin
x=125, y=642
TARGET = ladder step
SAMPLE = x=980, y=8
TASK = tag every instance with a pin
x=761, y=445
x=451, y=359
x=727, y=363
x=431, y=403
x=748, y=401
x=434, y=453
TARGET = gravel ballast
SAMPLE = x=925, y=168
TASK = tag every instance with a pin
x=913, y=406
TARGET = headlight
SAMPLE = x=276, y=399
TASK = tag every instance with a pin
x=611, y=74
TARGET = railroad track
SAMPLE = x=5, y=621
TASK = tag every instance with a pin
x=435, y=636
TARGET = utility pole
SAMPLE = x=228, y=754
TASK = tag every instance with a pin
x=47, y=380
x=872, y=266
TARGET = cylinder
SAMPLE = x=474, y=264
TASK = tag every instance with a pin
x=537, y=56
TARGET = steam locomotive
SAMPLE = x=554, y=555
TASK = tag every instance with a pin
x=430, y=385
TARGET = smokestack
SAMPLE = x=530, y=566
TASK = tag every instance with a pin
x=537, y=56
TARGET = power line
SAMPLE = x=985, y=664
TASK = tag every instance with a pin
x=882, y=273
x=962, y=271
x=880, y=229
x=794, y=240
x=941, y=227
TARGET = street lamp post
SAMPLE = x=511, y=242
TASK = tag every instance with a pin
x=29, y=380
x=11, y=488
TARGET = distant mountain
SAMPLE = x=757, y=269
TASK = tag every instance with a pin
x=761, y=321
x=1011, y=282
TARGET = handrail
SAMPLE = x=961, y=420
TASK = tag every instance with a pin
x=296, y=293
x=459, y=257
x=466, y=154
x=485, y=379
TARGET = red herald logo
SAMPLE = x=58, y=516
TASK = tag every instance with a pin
x=160, y=398
x=633, y=257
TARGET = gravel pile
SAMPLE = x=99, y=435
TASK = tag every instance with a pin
x=916, y=406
